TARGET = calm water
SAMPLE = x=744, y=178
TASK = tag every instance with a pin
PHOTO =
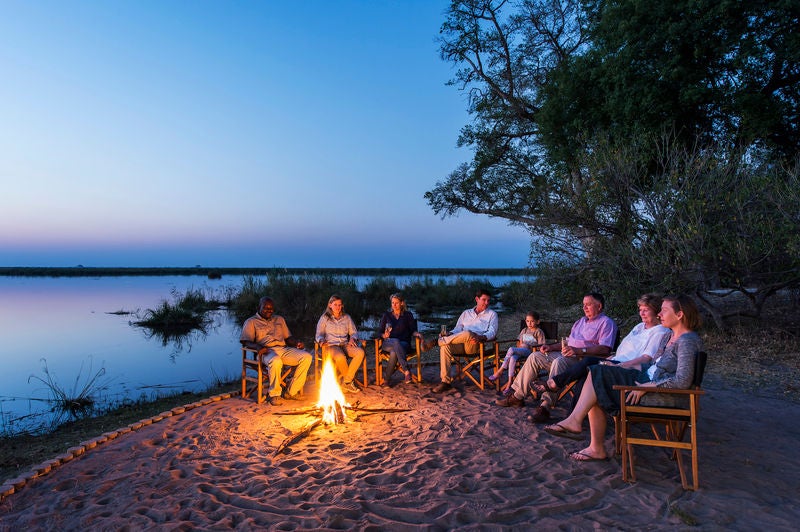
x=68, y=322
x=71, y=323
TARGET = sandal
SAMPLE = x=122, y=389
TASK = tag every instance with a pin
x=583, y=456
x=560, y=430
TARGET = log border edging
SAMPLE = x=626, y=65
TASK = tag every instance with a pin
x=14, y=485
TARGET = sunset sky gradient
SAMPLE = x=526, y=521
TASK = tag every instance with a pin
x=297, y=134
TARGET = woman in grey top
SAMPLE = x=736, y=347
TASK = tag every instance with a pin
x=673, y=368
x=337, y=335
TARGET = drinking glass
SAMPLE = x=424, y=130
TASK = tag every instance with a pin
x=388, y=329
x=564, y=343
x=443, y=332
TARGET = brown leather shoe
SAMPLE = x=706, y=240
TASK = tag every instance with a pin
x=510, y=400
x=541, y=414
x=442, y=387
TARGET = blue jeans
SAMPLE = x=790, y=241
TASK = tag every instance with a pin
x=397, y=350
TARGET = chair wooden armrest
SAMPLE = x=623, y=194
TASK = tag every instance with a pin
x=675, y=391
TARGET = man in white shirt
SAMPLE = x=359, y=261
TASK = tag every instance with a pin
x=475, y=325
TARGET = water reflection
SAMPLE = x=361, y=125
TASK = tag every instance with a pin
x=178, y=340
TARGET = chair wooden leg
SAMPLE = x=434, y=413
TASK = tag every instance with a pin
x=567, y=390
x=364, y=366
x=244, y=381
x=260, y=396
x=378, y=365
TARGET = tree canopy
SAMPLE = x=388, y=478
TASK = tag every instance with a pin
x=618, y=130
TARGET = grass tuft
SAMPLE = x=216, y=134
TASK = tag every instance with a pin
x=75, y=403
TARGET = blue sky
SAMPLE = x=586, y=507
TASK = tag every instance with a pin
x=297, y=134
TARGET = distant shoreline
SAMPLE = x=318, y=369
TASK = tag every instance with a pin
x=87, y=271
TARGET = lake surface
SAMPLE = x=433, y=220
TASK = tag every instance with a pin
x=74, y=325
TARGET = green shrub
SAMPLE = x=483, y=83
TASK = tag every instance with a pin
x=428, y=296
x=376, y=295
x=300, y=299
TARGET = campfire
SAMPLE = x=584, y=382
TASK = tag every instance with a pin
x=331, y=408
x=331, y=399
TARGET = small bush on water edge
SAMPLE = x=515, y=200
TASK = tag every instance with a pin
x=187, y=313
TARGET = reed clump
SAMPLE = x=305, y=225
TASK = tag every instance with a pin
x=74, y=403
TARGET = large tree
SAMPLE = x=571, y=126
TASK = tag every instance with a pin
x=553, y=83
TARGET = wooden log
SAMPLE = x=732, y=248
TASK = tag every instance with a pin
x=295, y=437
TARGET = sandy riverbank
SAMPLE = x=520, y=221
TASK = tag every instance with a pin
x=452, y=462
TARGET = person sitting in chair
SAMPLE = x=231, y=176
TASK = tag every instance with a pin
x=674, y=368
x=338, y=337
x=530, y=338
x=268, y=334
x=593, y=335
x=475, y=325
x=398, y=327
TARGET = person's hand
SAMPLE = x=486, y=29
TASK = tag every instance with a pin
x=300, y=345
x=634, y=396
x=568, y=352
x=544, y=348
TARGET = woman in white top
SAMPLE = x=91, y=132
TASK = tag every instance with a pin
x=639, y=347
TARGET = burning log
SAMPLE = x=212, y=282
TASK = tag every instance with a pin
x=331, y=408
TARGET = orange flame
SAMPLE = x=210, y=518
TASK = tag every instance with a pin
x=331, y=398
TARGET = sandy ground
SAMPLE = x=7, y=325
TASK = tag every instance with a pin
x=452, y=462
